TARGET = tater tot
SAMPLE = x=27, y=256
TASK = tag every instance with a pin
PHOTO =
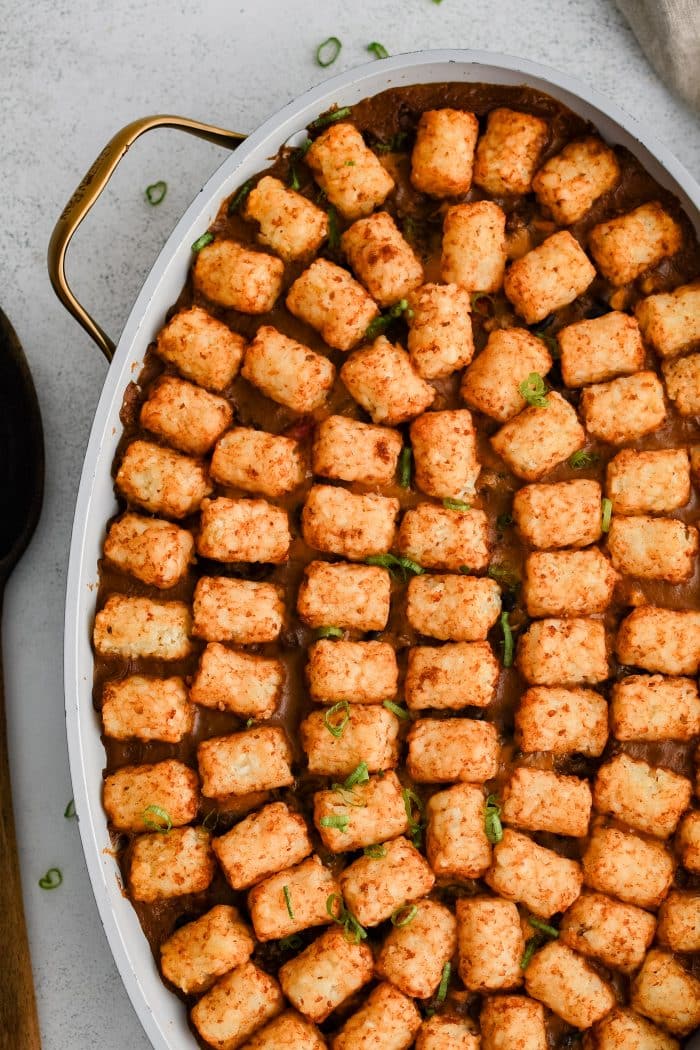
x=679, y=921
x=383, y=381
x=162, y=481
x=524, y=872
x=249, y=530
x=141, y=629
x=568, y=985
x=452, y=749
x=625, y=409
x=452, y=676
x=548, y=277
x=635, y=870
x=289, y=1031
x=442, y=538
x=453, y=608
x=353, y=451
x=154, y=551
x=363, y=672
x=236, y=1006
x=626, y=246
x=667, y=993
x=369, y=733
x=163, y=866
x=508, y=152
x=292, y=900
x=688, y=841
x=354, y=525
x=647, y=798
x=144, y=708
x=329, y=299
x=348, y=172
x=287, y=371
x=241, y=611
x=568, y=583
x=491, y=943
x=569, y=183
x=623, y=1029
x=670, y=321
x=325, y=974
x=540, y=800
x=456, y=840
x=136, y=797
x=682, y=378
x=663, y=640
x=341, y=595
x=538, y=438
x=492, y=382
x=197, y=953
x=386, y=1021
x=600, y=348
x=187, y=417
x=288, y=223
x=474, y=246
x=202, y=348
x=440, y=339
x=642, y=482
x=654, y=707
x=512, y=1022
x=231, y=275
x=267, y=841
x=444, y=449
x=369, y=812
x=566, y=514
x=245, y=684
x=381, y=259
x=563, y=652
x=254, y=461
x=616, y=934
x=443, y=154
x=446, y=1033
x=414, y=953
x=254, y=760
x=374, y=887
x=562, y=721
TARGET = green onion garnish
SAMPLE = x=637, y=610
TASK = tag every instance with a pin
x=328, y=51
x=288, y=901
x=481, y=302
x=294, y=183
x=329, y=118
x=290, y=943
x=399, y=567
x=397, y=710
x=155, y=193
x=211, y=820
x=335, y=820
x=534, y=390
x=581, y=459
x=333, y=231
x=381, y=323
x=69, y=811
x=329, y=632
x=378, y=50
x=249, y=722
x=606, y=516
x=405, y=467
x=239, y=197
x=543, y=927
x=466, y=570
x=456, y=504
x=335, y=728
x=202, y=241
x=415, y=827
x=445, y=979
x=504, y=575
x=404, y=915
x=297, y=154
x=51, y=880
x=155, y=818
x=353, y=931
x=530, y=948
x=359, y=775
x=492, y=820
x=507, y=640
x=396, y=142
x=348, y=796
x=376, y=852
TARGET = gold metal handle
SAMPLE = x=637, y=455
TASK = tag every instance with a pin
x=87, y=194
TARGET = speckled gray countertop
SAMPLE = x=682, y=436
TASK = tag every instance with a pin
x=71, y=75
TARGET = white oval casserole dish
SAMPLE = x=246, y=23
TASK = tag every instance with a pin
x=161, y=1013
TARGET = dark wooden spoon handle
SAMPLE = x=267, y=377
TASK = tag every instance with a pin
x=19, y=1025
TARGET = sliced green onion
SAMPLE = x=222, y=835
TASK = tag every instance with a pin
x=211, y=820
x=331, y=908
x=376, y=852
x=359, y=775
x=606, y=516
x=155, y=193
x=329, y=118
x=335, y=820
x=329, y=632
x=466, y=570
x=328, y=51
x=397, y=566
x=444, y=983
x=507, y=640
x=381, y=323
x=404, y=915
x=292, y=942
x=249, y=722
x=288, y=901
x=581, y=459
x=481, y=301
x=456, y=504
x=415, y=828
x=534, y=391
x=492, y=820
x=155, y=818
x=504, y=575
x=51, y=880
x=336, y=728
x=397, y=710
x=543, y=927
x=378, y=50
x=333, y=230
x=69, y=811
x=348, y=796
x=395, y=143
x=203, y=241
x=298, y=154
x=405, y=467
x=530, y=948
x=240, y=196
x=294, y=183
x=353, y=931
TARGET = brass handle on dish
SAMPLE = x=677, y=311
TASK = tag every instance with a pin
x=87, y=194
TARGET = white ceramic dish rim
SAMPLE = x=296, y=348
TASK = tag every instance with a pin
x=161, y=1014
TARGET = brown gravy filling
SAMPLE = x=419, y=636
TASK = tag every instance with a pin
x=381, y=119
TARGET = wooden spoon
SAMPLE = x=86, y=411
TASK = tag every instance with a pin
x=21, y=493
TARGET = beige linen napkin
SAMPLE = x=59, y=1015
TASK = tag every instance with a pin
x=669, y=33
